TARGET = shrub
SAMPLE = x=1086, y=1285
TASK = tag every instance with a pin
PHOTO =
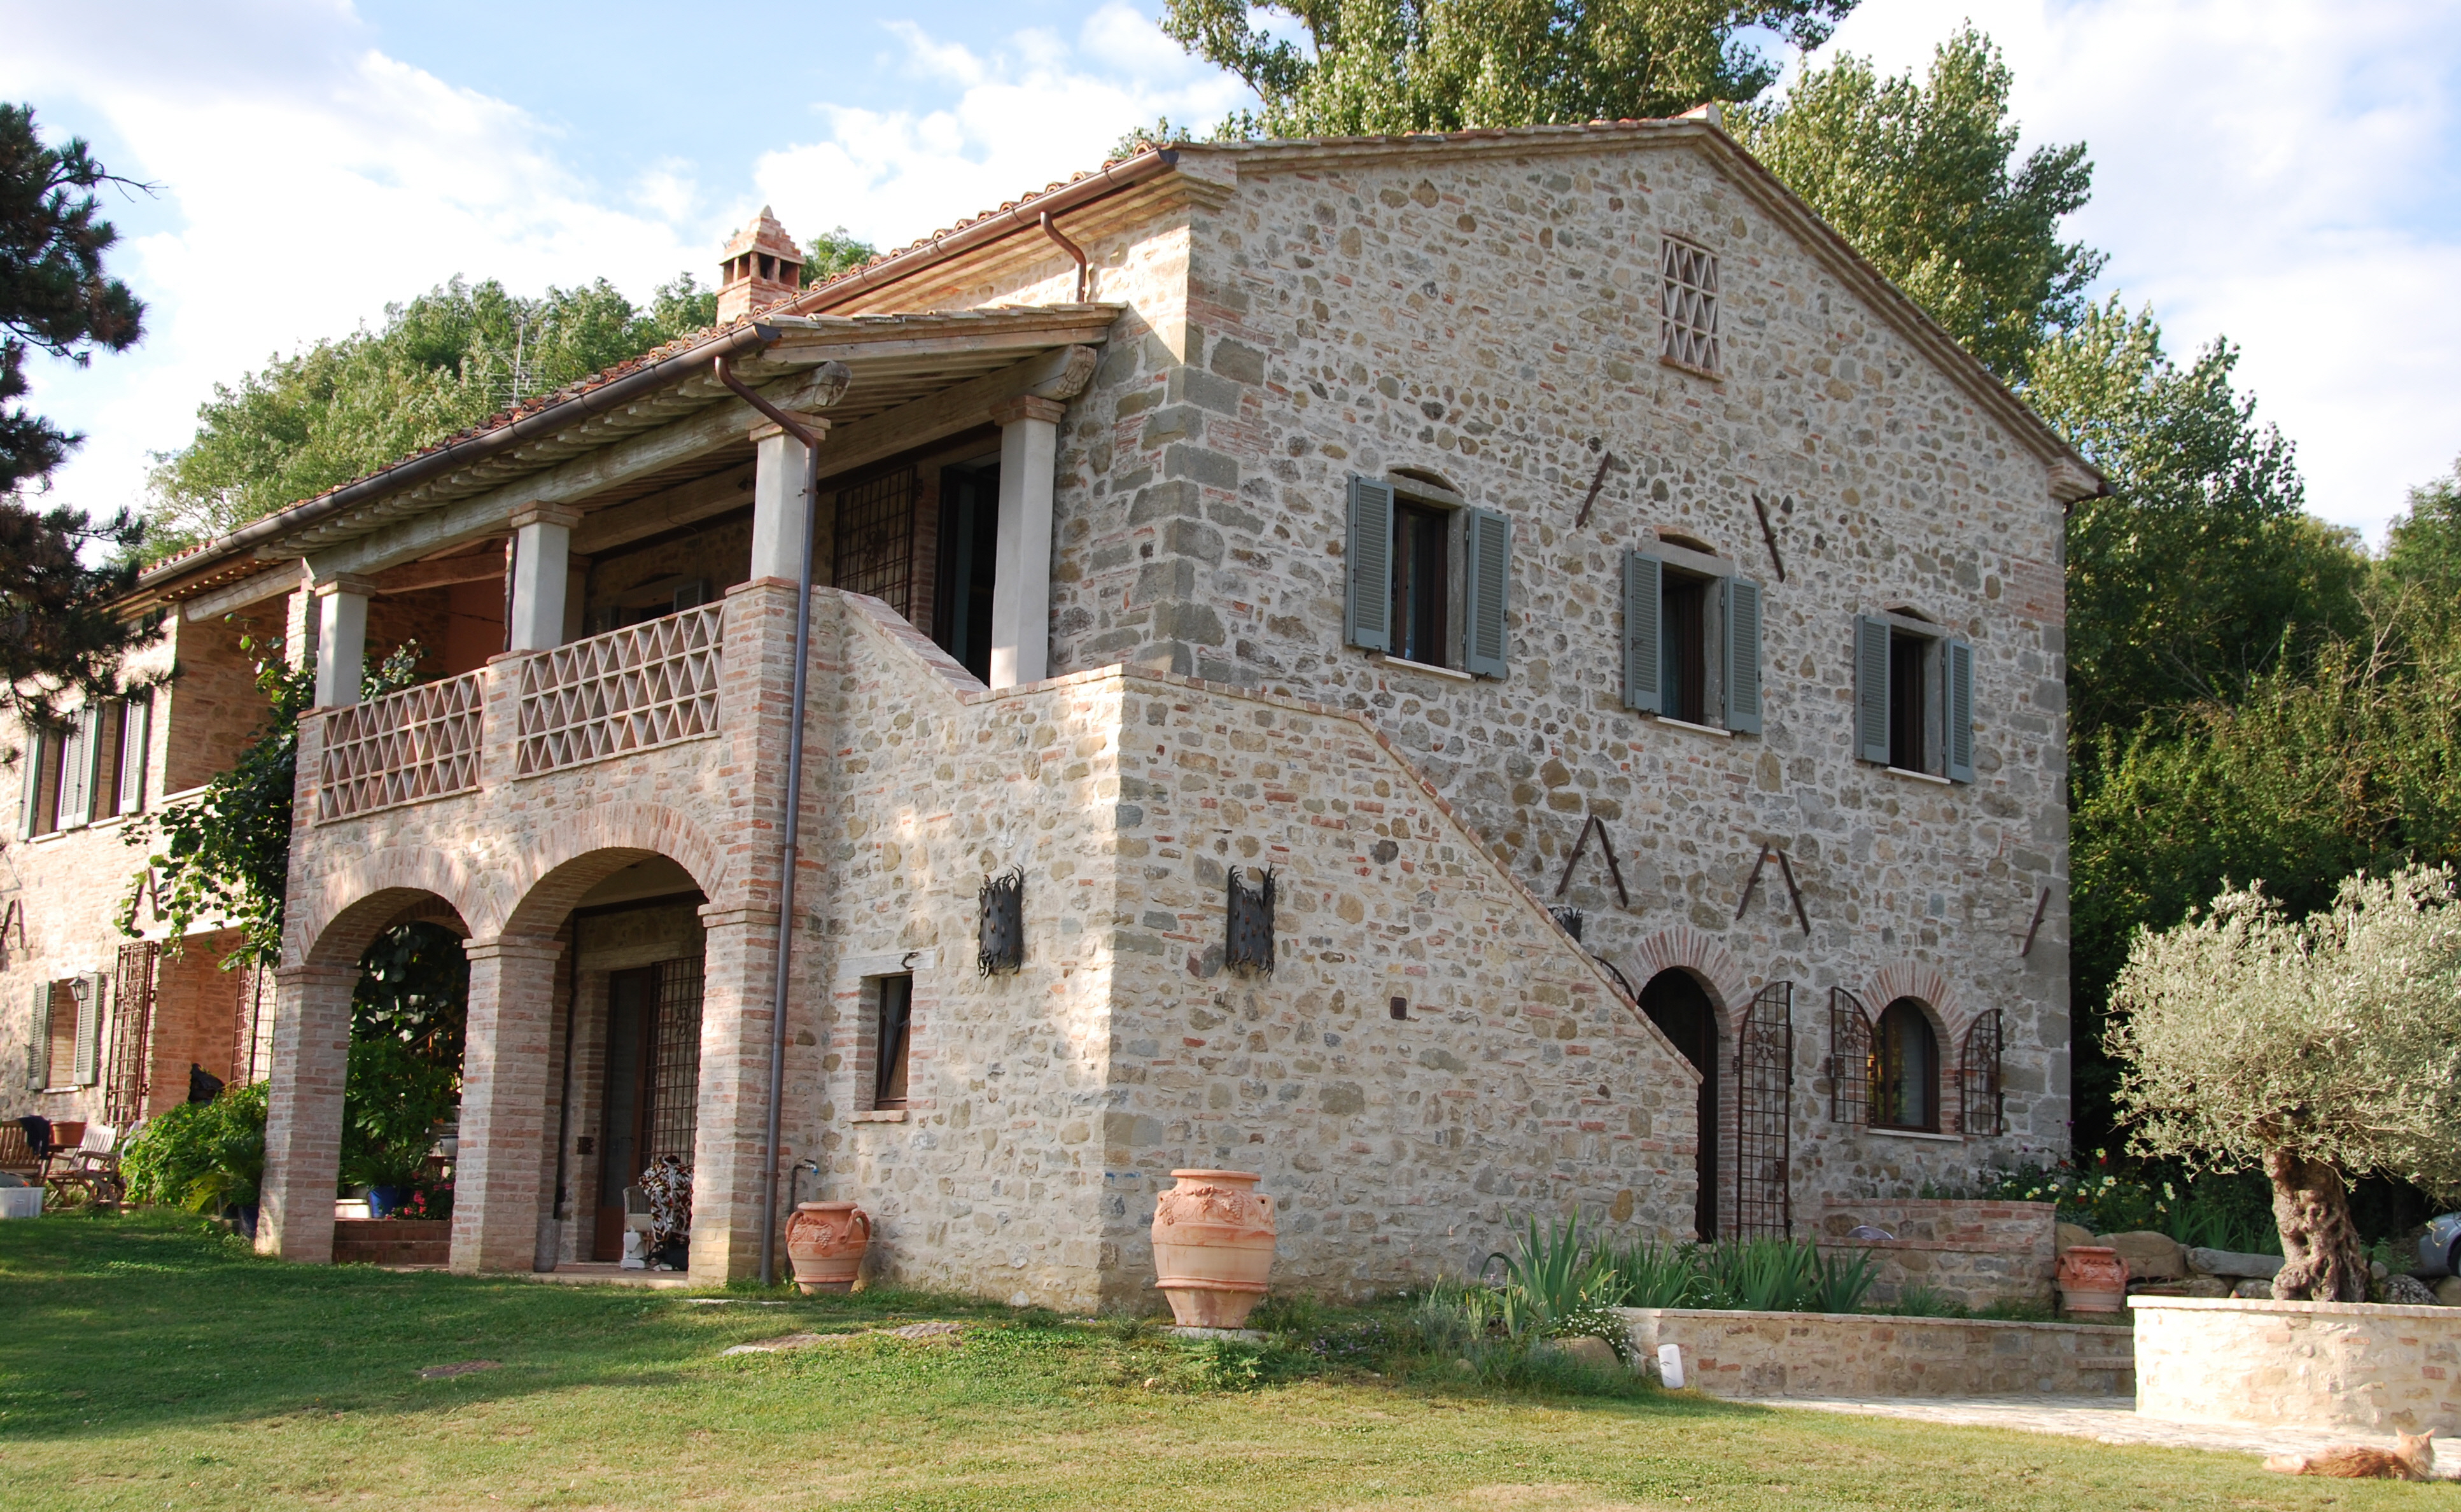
x=202, y=1156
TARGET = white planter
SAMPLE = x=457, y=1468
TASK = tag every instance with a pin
x=21, y=1201
x=2337, y=1365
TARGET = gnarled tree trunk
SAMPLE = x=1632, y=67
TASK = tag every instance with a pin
x=2321, y=1259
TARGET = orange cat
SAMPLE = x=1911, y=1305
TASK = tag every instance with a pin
x=2411, y=1458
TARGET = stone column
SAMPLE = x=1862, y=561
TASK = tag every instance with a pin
x=341, y=639
x=1021, y=575
x=781, y=499
x=504, y=1134
x=738, y=966
x=541, y=551
x=303, y=1124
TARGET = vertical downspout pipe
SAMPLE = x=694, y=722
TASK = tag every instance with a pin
x=793, y=827
x=1076, y=253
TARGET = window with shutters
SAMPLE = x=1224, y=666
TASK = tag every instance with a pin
x=1692, y=638
x=1688, y=305
x=1430, y=577
x=1914, y=696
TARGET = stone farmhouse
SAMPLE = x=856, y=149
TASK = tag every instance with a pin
x=1475, y=675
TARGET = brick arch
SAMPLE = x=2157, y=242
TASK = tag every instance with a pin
x=1690, y=950
x=347, y=909
x=573, y=855
x=1925, y=985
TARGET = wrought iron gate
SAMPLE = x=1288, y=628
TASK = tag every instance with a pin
x=1983, y=1112
x=253, y=1025
x=1850, y=1058
x=1763, y=1100
x=132, y=1033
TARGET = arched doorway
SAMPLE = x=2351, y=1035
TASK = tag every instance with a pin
x=1905, y=1064
x=1680, y=1006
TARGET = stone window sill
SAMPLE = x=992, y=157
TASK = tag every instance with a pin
x=1918, y=776
x=1680, y=366
x=1686, y=724
x=880, y=1116
x=1914, y=1134
x=1429, y=668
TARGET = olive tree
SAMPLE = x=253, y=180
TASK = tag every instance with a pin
x=2321, y=1049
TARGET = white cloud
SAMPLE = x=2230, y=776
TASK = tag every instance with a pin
x=1030, y=113
x=2279, y=171
x=305, y=180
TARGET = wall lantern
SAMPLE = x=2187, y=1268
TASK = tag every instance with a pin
x=1000, y=944
x=1251, y=945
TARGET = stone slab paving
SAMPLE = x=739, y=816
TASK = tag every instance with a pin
x=2106, y=1419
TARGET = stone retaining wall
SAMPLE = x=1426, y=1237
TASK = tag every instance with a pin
x=2312, y=1364
x=1972, y=1254
x=1859, y=1355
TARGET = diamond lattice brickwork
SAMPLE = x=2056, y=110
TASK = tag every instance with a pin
x=1689, y=298
x=624, y=691
x=419, y=743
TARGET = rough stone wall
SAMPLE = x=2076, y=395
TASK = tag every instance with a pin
x=1844, y=1354
x=1491, y=317
x=1972, y=1254
x=2358, y=1366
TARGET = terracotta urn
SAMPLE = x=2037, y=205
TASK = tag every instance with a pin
x=2092, y=1279
x=1214, y=1242
x=826, y=1240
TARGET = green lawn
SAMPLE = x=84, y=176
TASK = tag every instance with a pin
x=145, y=1364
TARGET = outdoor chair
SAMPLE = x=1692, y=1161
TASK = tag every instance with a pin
x=92, y=1167
x=18, y=1156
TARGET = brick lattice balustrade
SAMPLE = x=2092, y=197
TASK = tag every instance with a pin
x=419, y=743
x=629, y=690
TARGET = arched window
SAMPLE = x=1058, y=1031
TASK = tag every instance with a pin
x=1905, y=1081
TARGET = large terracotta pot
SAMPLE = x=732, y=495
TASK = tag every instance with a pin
x=2092, y=1279
x=1213, y=1244
x=827, y=1243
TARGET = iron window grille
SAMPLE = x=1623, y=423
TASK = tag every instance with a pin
x=1850, y=1059
x=875, y=538
x=1984, y=1100
x=1763, y=1099
x=131, y=1029
x=675, y=1063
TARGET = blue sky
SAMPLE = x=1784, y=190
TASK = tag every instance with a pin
x=2286, y=173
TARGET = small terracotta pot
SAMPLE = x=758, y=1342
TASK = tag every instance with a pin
x=1213, y=1244
x=2092, y=1279
x=826, y=1242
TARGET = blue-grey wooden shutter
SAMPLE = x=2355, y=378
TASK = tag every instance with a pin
x=1367, y=608
x=29, y=800
x=134, y=718
x=88, y=1069
x=38, y=1040
x=1960, y=706
x=1644, y=603
x=1486, y=584
x=1872, y=689
x=1744, y=656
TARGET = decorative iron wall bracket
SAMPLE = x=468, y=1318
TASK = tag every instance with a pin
x=1785, y=869
x=1614, y=869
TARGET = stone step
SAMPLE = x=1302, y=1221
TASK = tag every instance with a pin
x=392, y=1242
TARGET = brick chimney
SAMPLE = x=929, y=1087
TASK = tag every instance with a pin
x=762, y=266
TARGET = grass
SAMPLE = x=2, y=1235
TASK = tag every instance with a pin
x=147, y=1363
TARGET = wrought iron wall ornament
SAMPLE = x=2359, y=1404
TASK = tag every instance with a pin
x=1785, y=868
x=1249, y=946
x=1568, y=919
x=1615, y=868
x=2042, y=906
x=1984, y=1094
x=1769, y=535
x=1000, y=942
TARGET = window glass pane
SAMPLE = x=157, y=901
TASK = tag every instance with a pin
x=1908, y=706
x=1421, y=582
x=1683, y=652
x=896, y=1016
x=1906, y=1093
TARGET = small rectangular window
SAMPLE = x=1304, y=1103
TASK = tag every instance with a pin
x=1683, y=650
x=1688, y=305
x=1692, y=639
x=1422, y=583
x=875, y=537
x=892, y=1039
x=1909, y=709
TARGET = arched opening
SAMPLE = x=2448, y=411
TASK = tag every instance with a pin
x=1905, y=1057
x=401, y=1096
x=1680, y=1006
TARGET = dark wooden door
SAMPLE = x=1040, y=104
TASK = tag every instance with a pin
x=632, y=1013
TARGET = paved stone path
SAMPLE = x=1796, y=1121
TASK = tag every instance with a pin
x=2106, y=1419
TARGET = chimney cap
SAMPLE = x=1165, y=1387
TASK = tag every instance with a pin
x=763, y=234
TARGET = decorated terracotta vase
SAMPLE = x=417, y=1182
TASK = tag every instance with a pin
x=1214, y=1242
x=826, y=1240
x=2092, y=1279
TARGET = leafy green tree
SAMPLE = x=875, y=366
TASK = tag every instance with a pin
x=832, y=252
x=441, y=363
x=2321, y=1047
x=2201, y=569
x=1923, y=179
x=1378, y=66
x=408, y=1018
x=56, y=634
x=2422, y=562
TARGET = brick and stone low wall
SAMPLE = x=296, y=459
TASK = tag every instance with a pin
x=2308, y=1364
x=1973, y=1253
x=1860, y=1355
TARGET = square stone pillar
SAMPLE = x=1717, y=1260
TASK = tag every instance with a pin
x=303, y=1124
x=781, y=499
x=541, y=575
x=505, y=1132
x=341, y=639
x=738, y=964
x=1022, y=572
